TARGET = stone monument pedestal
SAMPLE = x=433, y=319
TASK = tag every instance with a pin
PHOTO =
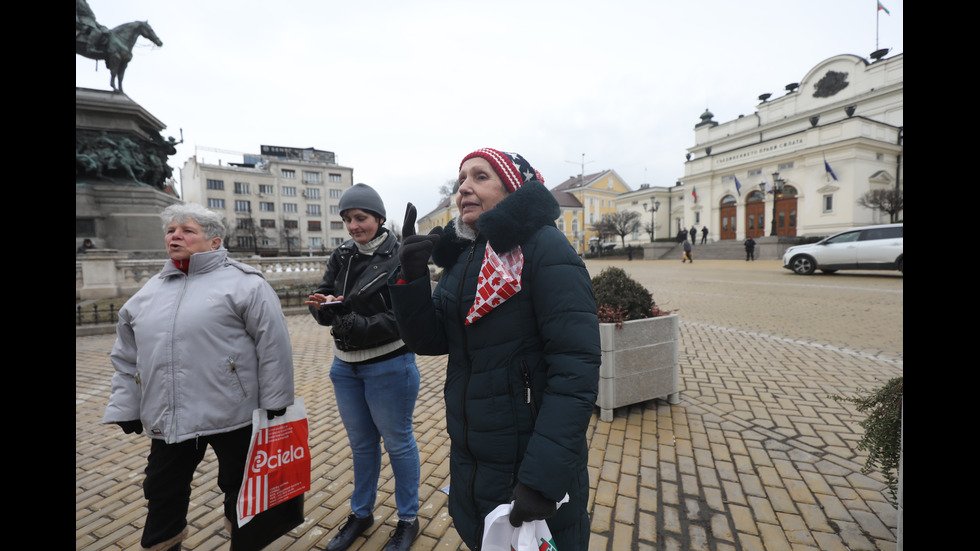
x=117, y=144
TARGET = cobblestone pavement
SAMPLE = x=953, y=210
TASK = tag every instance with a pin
x=756, y=456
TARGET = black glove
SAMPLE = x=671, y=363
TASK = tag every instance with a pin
x=273, y=413
x=530, y=505
x=130, y=427
x=416, y=249
x=342, y=325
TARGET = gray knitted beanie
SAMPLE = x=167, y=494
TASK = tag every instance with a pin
x=362, y=196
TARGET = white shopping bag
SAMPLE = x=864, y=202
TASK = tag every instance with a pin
x=499, y=535
x=278, y=467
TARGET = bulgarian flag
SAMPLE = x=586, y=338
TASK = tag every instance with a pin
x=883, y=8
x=694, y=193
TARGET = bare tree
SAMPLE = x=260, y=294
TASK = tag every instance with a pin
x=246, y=235
x=889, y=200
x=446, y=189
x=620, y=223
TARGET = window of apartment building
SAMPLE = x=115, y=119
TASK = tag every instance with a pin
x=266, y=206
x=292, y=241
x=243, y=223
x=334, y=209
x=313, y=210
x=336, y=193
x=243, y=206
x=786, y=166
x=313, y=225
x=311, y=193
x=290, y=224
x=828, y=203
x=267, y=223
x=288, y=173
x=311, y=177
x=267, y=189
x=289, y=191
x=337, y=241
x=335, y=177
x=336, y=225
x=216, y=203
x=290, y=207
x=246, y=242
x=216, y=184
x=241, y=188
x=316, y=242
x=561, y=224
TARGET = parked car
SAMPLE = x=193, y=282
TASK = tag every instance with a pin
x=866, y=248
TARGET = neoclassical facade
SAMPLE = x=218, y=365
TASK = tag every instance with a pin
x=798, y=165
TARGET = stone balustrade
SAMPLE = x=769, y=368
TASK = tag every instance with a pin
x=106, y=273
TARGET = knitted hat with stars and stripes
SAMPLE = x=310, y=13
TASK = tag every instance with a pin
x=513, y=169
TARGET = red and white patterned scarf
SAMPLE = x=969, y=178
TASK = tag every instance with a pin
x=500, y=279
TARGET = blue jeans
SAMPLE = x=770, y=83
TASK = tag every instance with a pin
x=377, y=401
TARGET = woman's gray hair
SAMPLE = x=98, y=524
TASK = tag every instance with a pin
x=210, y=221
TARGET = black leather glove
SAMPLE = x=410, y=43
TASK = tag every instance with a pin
x=130, y=427
x=273, y=413
x=530, y=505
x=416, y=249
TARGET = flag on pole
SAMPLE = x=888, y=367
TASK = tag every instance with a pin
x=881, y=7
x=830, y=171
x=738, y=186
x=766, y=182
x=694, y=193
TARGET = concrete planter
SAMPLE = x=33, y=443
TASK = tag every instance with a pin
x=640, y=362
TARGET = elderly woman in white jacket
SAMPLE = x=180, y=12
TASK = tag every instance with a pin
x=198, y=348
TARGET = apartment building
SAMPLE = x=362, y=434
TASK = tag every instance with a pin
x=283, y=201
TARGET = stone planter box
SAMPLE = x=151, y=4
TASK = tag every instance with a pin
x=640, y=362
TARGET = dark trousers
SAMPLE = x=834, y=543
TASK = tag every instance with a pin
x=170, y=470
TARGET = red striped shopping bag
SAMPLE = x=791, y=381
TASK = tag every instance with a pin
x=278, y=467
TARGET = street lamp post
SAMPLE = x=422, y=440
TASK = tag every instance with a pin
x=653, y=211
x=777, y=190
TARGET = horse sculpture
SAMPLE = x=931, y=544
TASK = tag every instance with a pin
x=118, y=48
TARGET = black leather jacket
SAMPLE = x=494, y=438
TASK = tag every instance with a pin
x=365, y=315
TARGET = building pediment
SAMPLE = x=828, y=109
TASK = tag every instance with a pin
x=881, y=177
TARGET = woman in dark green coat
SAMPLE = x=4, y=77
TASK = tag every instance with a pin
x=514, y=310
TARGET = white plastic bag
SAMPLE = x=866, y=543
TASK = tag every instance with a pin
x=499, y=535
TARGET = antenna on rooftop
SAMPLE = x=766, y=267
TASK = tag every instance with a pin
x=582, y=165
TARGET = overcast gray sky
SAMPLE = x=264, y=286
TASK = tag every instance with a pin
x=402, y=90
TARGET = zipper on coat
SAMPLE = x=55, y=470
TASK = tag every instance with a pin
x=528, y=396
x=172, y=438
x=234, y=371
x=462, y=310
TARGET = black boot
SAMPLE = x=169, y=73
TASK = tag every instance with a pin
x=403, y=536
x=349, y=531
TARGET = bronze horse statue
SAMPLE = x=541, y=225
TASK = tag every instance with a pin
x=118, y=49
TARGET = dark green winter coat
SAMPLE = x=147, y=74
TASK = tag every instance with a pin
x=521, y=381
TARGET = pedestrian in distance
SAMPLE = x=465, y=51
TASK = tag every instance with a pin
x=629, y=252
x=201, y=346
x=86, y=246
x=515, y=312
x=688, y=252
x=374, y=374
x=749, y=249
x=694, y=235
x=704, y=235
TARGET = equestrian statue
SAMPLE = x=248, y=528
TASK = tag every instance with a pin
x=115, y=46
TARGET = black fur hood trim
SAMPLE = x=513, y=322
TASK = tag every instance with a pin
x=507, y=225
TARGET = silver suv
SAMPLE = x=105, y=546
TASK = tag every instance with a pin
x=866, y=248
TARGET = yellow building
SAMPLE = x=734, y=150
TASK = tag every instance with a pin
x=440, y=216
x=595, y=195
